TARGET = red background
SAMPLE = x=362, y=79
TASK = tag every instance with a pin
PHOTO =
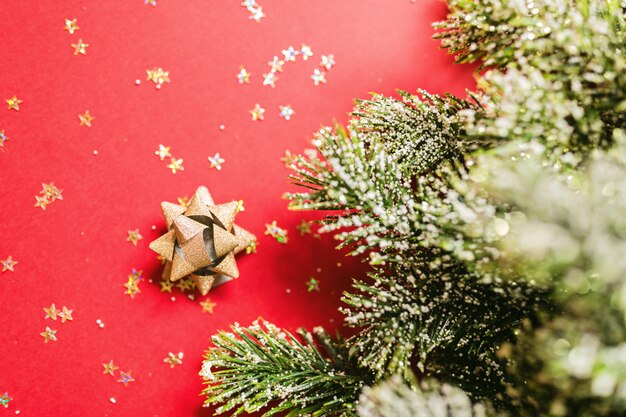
x=75, y=253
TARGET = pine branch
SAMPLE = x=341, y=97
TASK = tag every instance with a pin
x=392, y=398
x=438, y=318
x=261, y=366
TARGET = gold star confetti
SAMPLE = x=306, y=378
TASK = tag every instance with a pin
x=14, y=103
x=276, y=64
x=306, y=52
x=51, y=312
x=48, y=334
x=318, y=77
x=65, y=315
x=207, y=306
x=132, y=288
x=286, y=112
x=8, y=264
x=41, y=202
x=176, y=165
x=86, y=119
x=163, y=152
x=243, y=75
x=51, y=192
x=216, y=161
x=313, y=285
x=251, y=248
x=276, y=232
x=257, y=112
x=5, y=400
x=126, y=378
x=328, y=61
x=304, y=228
x=288, y=159
x=71, y=26
x=240, y=206
x=134, y=236
x=158, y=76
x=109, y=368
x=80, y=47
x=183, y=201
x=174, y=360
x=3, y=138
x=166, y=285
x=186, y=284
x=270, y=79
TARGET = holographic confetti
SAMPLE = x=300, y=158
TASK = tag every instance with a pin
x=80, y=47
x=109, y=368
x=216, y=161
x=163, y=152
x=158, y=76
x=174, y=360
x=243, y=75
x=276, y=232
x=5, y=400
x=257, y=112
x=49, y=335
x=48, y=194
x=176, y=165
x=318, y=77
x=328, y=61
x=14, y=103
x=313, y=285
x=126, y=378
x=286, y=112
x=86, y=119
x=8, y=264
x=71, y=26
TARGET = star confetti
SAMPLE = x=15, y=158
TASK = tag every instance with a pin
x=306, y=52
x=318, y=77
x=328, y=61
x=243, y=75
x=158, y=76
x=176, y=165
x=150, y=2
x=109, y=368
x=5, y=400
x=49, y=334
x=80, y=47
x=3, y=138
x=313, y=285
x=251, y=248
x=132, y=283
x=8, y=264
x=163, y=152
x=134, y=236
x=290, y=54
x=216, y=161
x=240, y=206
x=71, y=26
x=256, y=13
x=286, y=112
x=65, y=315
x=207, y=306
x=304, y=228
x=126, y=378
x=270, y=79
x=257, y=112
x=174, y=360
x=166, y=285
x=186, y=284
x=276, y=65
x=276, y=232
x=288, y=159
x=183, y=201
x=51, y=312
x=14, y=103
x=86, y=119
x=49, y=193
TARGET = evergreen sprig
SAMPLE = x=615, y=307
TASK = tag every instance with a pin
x=312, y=375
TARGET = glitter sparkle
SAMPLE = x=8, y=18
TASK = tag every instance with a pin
x=216, y=161
x=14, y=103
x=8, y=264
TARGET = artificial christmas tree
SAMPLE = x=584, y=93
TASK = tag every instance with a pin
x=495, y=226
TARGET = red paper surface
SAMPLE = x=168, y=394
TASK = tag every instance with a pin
x=75, y=253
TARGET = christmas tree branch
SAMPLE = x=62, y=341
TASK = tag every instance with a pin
x=260, y=364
